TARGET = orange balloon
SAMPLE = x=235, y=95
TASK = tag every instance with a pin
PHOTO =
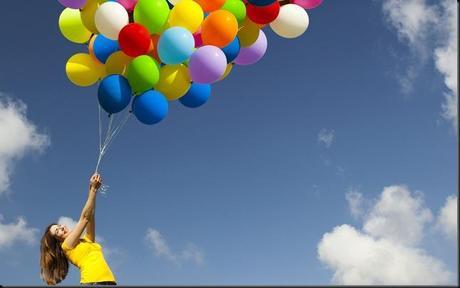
x=153, y=51
x=91, y=49
x=219, y=28
x=210, y=5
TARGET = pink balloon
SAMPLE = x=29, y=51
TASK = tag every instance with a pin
x=128, y=4
x=307, y=4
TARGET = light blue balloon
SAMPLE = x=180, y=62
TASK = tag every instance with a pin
x=150, y=107
x=176, y=45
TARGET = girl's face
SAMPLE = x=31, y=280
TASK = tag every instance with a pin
x=59, y=231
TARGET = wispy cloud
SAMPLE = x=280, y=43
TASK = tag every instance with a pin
x=412, y=20
x=446, y=59
x=17, y=137
x=12, y=233
x=355, y=202
x=386, y=251
x=326, y=137
x=420, y=25
x=161, y=249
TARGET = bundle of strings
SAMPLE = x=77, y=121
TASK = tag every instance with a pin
x=110, y=134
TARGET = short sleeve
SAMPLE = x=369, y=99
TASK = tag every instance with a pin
x=86, y=238
x=65, y=247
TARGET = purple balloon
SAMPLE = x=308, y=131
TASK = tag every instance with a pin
x=207, y=64
x=255, y=52
x=75, y=4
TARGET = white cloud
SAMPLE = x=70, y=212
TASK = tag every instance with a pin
x=446, y=58
x=447, y=218
x=67, y=221
x=326, y=137
x=161, y=248
x=17, y=137
x=386, y=250
x=355, y=202
x=159, y=244
x=70, y=223
x=398, y=216
x=13, y=233
x=410, y=18
x=415, y=21
x=360, y=259
x=192, y=253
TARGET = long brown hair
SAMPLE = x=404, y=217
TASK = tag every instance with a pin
x=53, y=262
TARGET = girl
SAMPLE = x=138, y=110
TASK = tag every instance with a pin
x=59, y=245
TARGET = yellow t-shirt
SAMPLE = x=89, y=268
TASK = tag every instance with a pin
x=88, y=257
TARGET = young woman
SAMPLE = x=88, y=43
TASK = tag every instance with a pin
x=59, y=245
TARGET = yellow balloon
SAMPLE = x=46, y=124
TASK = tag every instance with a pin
x=117, y=63
x=227, y=71
x=188, y=14
x=174, y=81
x=82, y=70
x=72, y=27
x=248, y=32
x=88, y=12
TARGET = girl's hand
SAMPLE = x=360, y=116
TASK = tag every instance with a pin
x=95, y=182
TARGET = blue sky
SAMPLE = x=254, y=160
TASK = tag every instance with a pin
x=334, y=139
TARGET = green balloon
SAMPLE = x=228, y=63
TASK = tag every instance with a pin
x=237, y=8
x=143, y=73
x=153, y=14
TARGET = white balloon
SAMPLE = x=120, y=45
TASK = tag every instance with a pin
x=110, y=18
x=174, y=2
x=292, y=21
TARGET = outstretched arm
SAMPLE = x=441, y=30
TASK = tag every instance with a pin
x=86, y=214
x=91, y=227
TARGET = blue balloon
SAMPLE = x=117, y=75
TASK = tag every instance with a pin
x=104, y=47
x=196, y=95
x=150, y=107
x=175, y=45
x=232, y=50
x=114, y=93
x=261, y=2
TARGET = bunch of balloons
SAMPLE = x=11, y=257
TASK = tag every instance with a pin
x=158, y=51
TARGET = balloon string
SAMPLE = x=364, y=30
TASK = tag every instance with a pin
x=116, y=131
x=100, y=128
x=101, y=148
x=111, y=134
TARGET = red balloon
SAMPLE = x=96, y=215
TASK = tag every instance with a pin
x=134, y=40
x=263, y=14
